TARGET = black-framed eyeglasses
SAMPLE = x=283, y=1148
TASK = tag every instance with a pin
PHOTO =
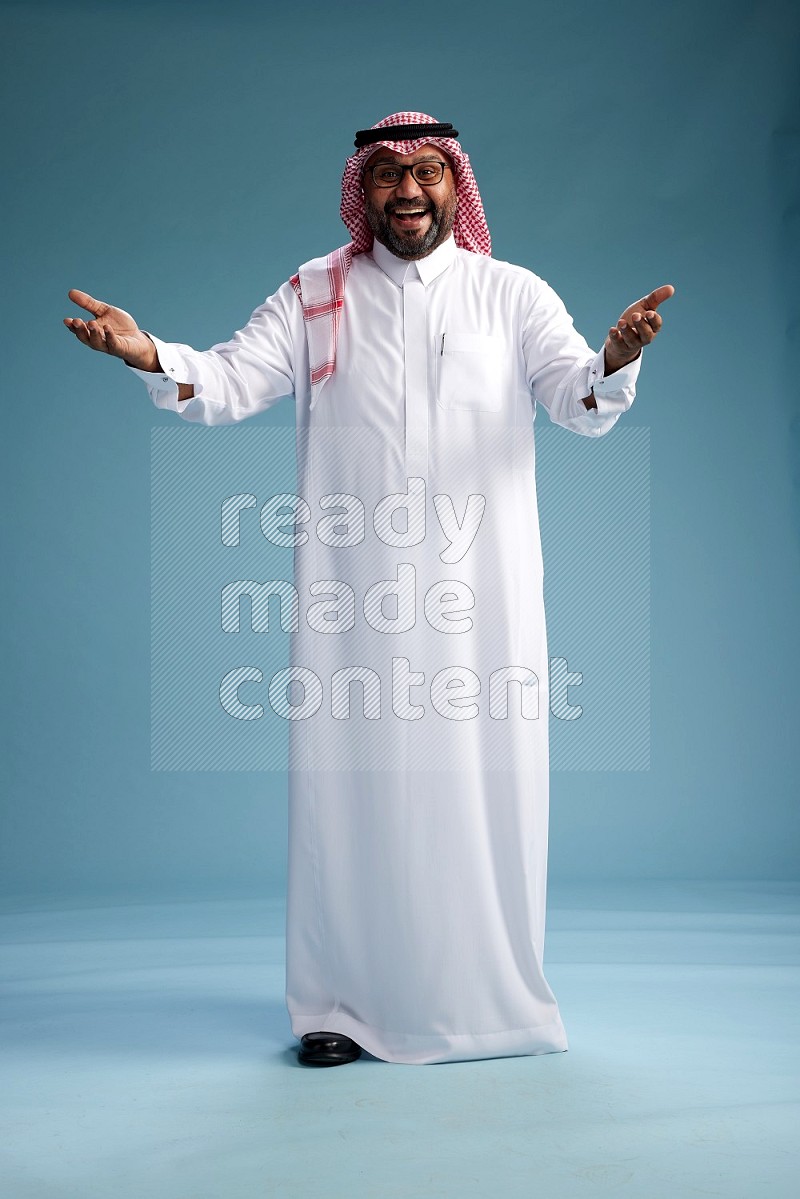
x=389, y=174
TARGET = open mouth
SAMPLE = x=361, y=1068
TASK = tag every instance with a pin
x=409, y=216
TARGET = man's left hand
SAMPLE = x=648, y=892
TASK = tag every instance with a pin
x=637, y=327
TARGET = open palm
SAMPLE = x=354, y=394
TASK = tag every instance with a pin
x=636, y=328
x=112, y=331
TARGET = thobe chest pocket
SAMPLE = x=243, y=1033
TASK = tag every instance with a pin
x=469, y=371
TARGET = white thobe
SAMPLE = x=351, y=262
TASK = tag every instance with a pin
x=418, y=796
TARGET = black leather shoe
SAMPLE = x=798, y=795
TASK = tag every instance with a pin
x=327, y=1049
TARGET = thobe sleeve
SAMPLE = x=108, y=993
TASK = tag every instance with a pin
x=562, y=369
x=236, y=378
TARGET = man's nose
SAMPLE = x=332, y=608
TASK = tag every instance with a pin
x=408, y=187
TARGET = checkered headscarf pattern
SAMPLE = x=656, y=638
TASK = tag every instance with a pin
x=320, y=285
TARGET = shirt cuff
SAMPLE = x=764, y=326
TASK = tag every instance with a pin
x=163, y=385
x=613, y=393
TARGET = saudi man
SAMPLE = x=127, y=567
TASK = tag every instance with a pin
x=418, y=747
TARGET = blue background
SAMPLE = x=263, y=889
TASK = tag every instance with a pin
x=181, y=161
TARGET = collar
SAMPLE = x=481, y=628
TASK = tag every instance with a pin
x=427, y=269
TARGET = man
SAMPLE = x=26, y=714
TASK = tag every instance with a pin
x=419, y=796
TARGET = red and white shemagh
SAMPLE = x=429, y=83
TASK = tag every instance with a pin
x=320, y=285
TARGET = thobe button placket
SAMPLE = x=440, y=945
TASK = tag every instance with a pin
x=415, y=327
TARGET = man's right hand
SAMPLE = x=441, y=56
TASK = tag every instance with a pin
x=112, y=331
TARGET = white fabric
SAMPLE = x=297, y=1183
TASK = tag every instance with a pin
x=418, y=841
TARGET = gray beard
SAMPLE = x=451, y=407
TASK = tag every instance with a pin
x=411, y=247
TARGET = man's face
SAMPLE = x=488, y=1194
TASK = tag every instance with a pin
x=411, y=219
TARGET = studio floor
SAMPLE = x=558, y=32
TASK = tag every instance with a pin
x=147, y=1052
